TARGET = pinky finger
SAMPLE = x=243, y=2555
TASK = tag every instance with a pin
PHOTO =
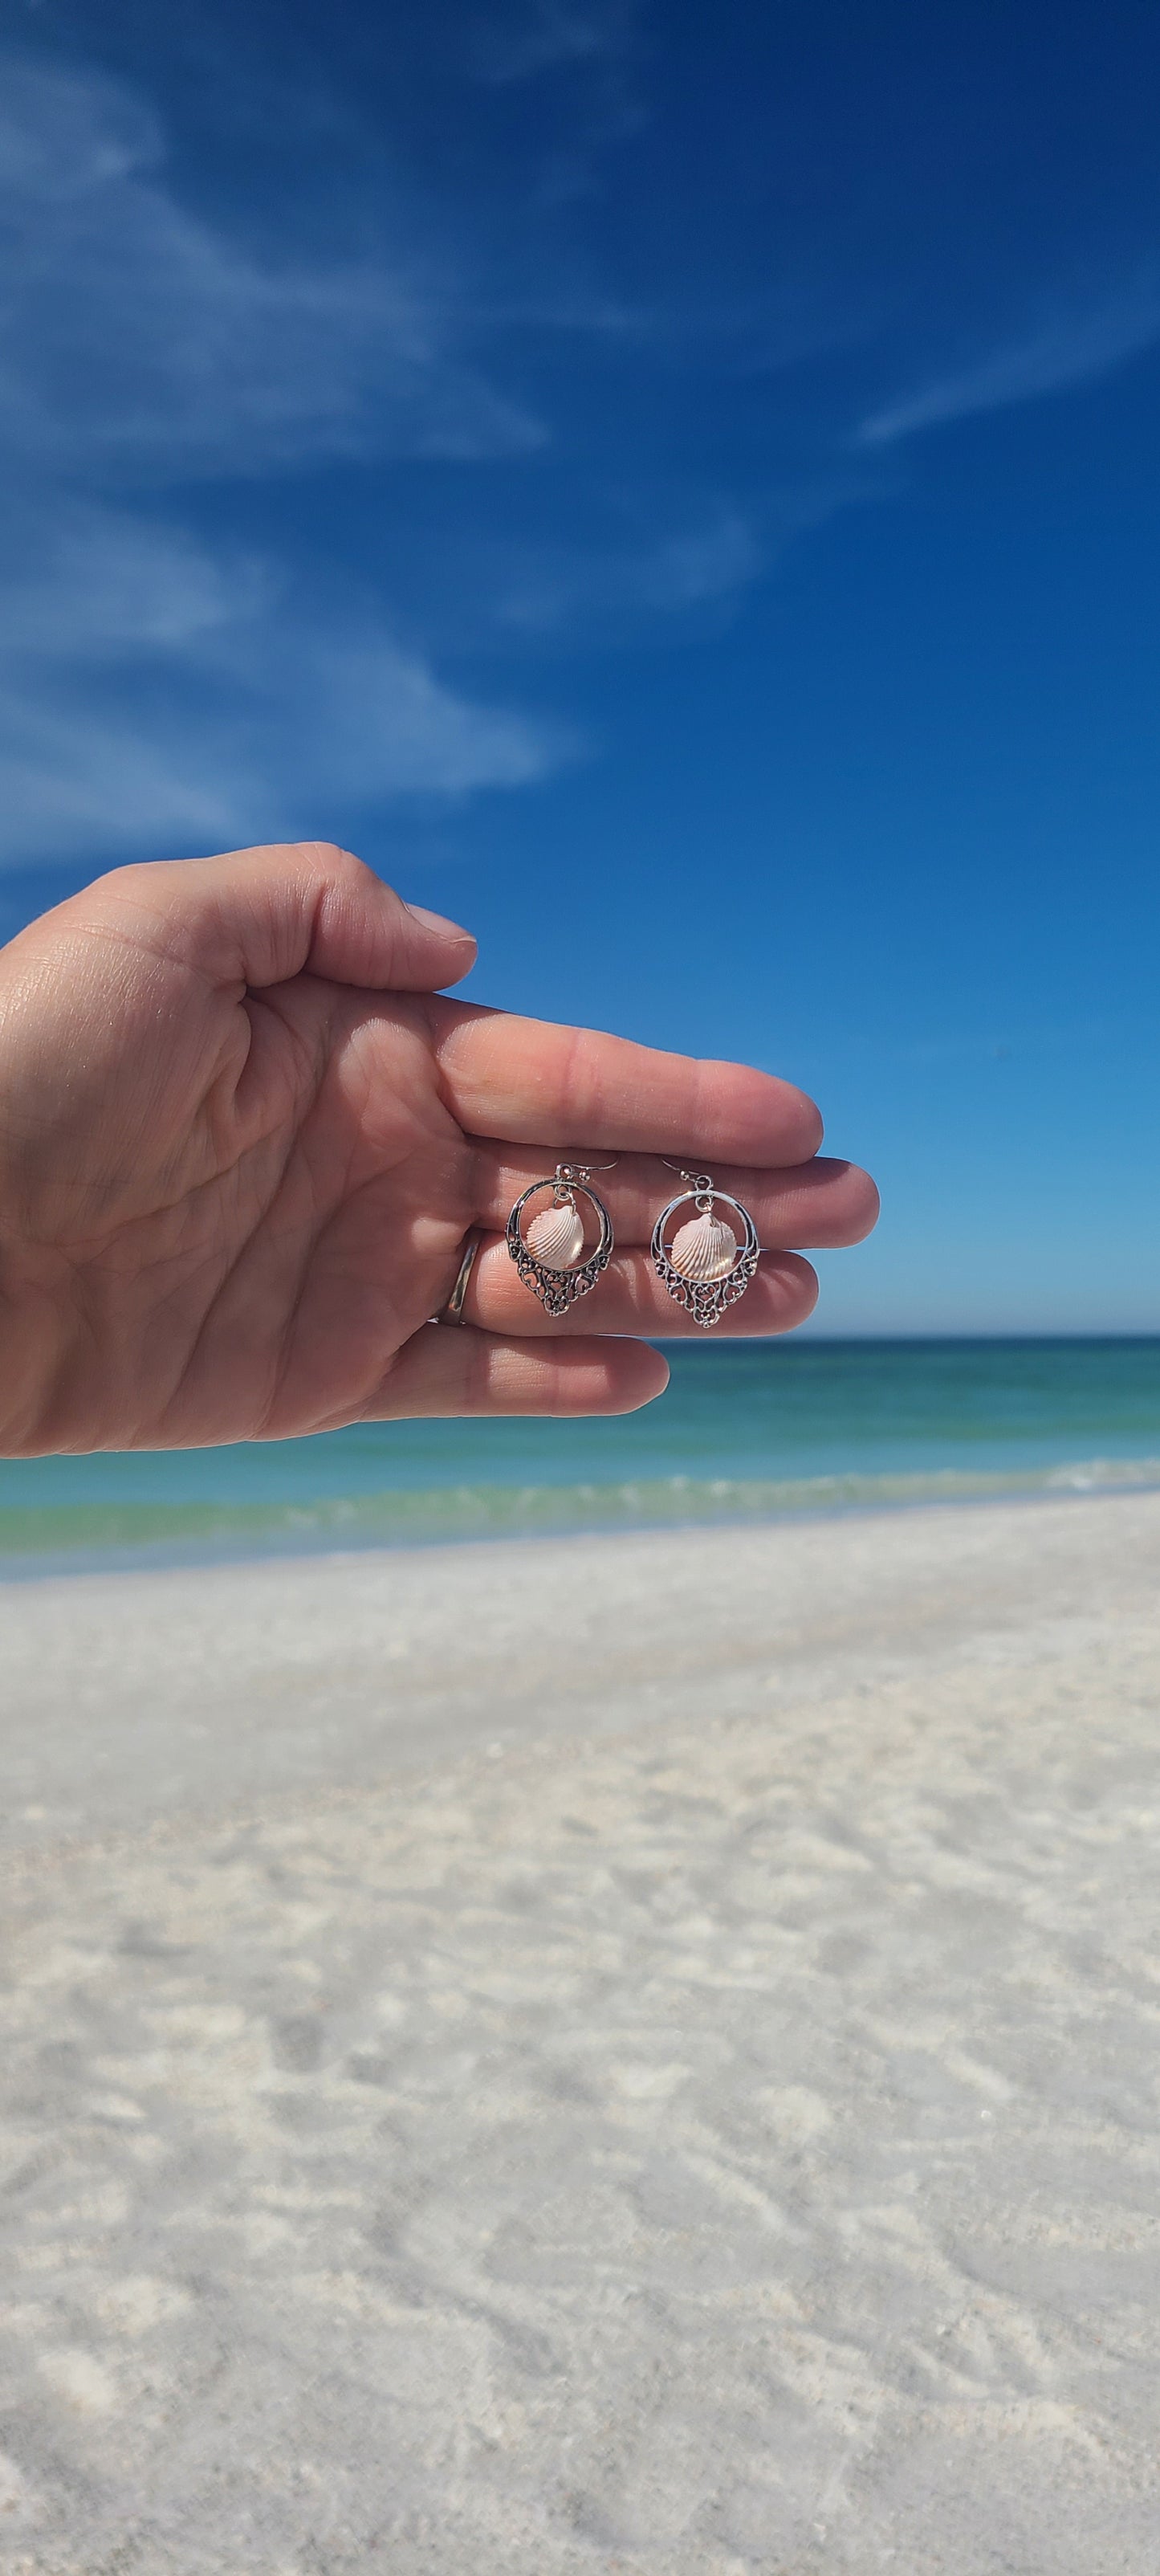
x=455, y=1369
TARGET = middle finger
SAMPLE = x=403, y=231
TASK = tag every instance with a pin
x=819, y=1203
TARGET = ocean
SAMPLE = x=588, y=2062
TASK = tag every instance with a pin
x=747, y=1431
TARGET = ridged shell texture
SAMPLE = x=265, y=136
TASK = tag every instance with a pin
x=704, y=1249
x=556, y=1236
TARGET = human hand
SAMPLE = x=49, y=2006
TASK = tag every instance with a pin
x=243, y=1135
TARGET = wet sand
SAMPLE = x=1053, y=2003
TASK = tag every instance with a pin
x=629, y=2054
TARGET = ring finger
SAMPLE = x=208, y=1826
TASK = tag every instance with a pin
x=630, y=1298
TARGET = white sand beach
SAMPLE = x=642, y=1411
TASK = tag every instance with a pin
x=630, y=2054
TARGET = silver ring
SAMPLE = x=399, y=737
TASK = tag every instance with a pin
x=452, y=1312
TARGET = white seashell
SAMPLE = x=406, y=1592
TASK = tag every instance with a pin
x=556, y=1236
x=705, y=1248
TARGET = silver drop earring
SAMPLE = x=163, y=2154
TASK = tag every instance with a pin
x=550, y=1256
x=704, y=1267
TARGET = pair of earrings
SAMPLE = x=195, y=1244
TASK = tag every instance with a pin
x=704, y=1265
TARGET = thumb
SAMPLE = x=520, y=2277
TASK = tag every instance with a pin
x=260, y=916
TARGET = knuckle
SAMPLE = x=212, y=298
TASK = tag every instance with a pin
x=325, y=854
x=152, y=882
x=325, y=860
x=339, y=872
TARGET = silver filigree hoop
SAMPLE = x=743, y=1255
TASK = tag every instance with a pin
x=559, y=1272
x=692, y=1265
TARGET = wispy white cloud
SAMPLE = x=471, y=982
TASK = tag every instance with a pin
x=161, y=686
x=704, y=563
x=677, y=562
x=1063, y=350
x=155, y=692
x=137, y=336
x=518, y=42
x=157, y=688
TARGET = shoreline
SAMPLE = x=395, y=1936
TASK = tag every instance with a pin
x=1092, y=1479
x=191, y=1689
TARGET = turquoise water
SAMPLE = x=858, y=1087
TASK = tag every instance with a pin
x=748, y=1430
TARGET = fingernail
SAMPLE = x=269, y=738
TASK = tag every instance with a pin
x=439, y=921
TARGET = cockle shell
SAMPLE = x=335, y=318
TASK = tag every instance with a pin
x=556, y=1237
x=705, y=1248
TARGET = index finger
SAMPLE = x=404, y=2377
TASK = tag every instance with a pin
x=578, y=1091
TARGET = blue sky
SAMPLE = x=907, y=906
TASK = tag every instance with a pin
x=675, y=488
